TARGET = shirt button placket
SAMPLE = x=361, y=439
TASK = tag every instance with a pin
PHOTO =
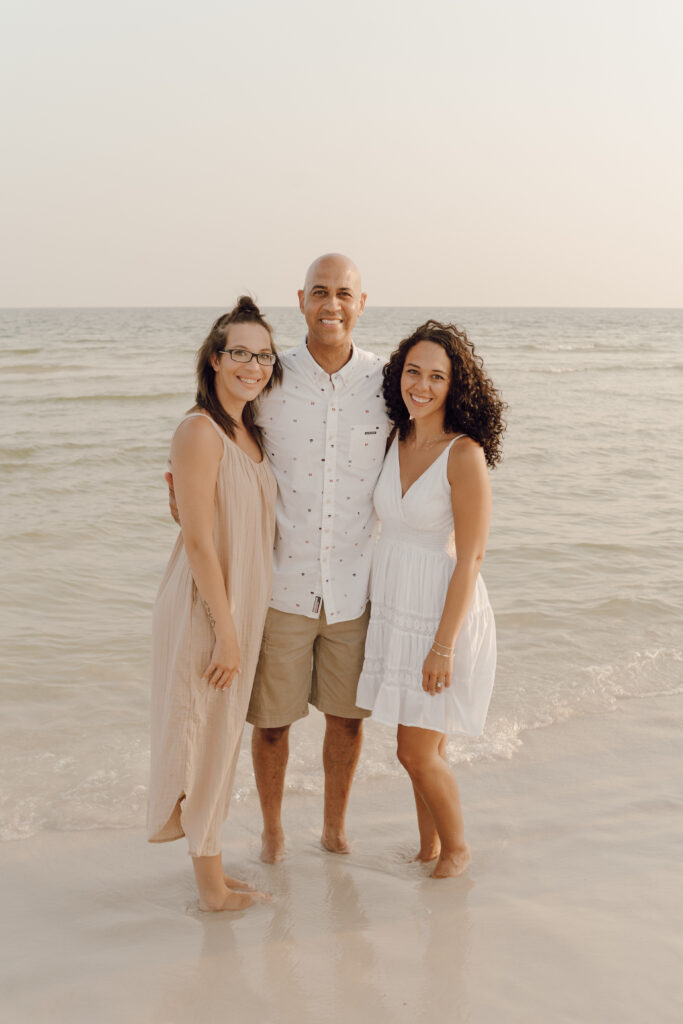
x=327, y=532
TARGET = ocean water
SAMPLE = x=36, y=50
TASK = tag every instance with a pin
x=583, y=565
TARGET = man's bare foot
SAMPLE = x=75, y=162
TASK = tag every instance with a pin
x=272, y=847
x=452, y=865
x=424, y=856
x=334, y=841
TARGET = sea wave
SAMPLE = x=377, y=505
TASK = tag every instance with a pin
x=117, y=396
x=54, y=789
x=607, y=368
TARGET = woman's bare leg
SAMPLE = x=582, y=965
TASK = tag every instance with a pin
x=421, y=751
x=214, y=892
x=430, y=844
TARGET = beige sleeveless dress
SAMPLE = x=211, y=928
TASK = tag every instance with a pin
x=196, y=730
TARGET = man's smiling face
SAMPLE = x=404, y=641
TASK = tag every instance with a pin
x=331, y=300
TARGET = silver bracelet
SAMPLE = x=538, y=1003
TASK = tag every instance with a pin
x=440, y=655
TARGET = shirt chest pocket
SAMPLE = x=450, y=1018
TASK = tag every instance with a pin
x=366, y=445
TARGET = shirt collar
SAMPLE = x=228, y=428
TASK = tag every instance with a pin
x=342, y=376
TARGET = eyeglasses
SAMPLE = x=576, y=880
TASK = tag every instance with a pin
x=242, y=355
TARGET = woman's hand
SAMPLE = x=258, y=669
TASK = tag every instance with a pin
x=436, y=672
x=225, y=662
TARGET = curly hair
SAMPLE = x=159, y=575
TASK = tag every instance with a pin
x=244, y=312
x=473, y=405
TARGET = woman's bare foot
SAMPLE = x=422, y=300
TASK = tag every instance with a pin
x=272, y=847
x=423, y=856
x=334, y=841
x=217, y=891
x=238, y=883
x=225, y=899
x=452, y=865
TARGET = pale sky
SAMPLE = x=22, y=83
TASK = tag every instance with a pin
x=463, y=152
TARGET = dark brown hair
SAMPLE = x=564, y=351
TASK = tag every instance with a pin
x=245, y=312
x=473, y=406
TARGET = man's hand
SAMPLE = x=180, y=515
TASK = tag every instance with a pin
x=168, y=477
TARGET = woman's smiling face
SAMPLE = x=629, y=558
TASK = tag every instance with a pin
x=425, y=380
x=241, y=382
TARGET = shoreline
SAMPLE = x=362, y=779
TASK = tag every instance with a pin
x=572, y=908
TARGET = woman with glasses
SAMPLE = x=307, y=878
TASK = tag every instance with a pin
x=211, y=606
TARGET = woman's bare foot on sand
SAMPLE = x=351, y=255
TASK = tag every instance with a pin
x=238, y=883
x=423, y=856
x=334, y=841
x=452, y=865
x=272, y=847
x=225, y=899
x=216, y=890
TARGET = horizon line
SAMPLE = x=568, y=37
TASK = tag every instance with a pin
x=431, y=305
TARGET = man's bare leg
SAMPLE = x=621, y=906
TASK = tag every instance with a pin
x=341, y=750
x=270, y=753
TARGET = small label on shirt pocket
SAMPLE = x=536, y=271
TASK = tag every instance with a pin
x=366, y=445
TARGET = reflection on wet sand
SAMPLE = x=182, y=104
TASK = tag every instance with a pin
x=365, y=932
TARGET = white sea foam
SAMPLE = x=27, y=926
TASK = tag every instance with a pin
x=582, y=566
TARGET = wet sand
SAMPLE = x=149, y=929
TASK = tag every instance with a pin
x=571, y=911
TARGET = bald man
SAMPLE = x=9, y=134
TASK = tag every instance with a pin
x=325, y=432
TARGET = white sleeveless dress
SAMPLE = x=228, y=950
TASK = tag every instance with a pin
x=411, y=569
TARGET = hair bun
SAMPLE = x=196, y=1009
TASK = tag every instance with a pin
x=245, y=304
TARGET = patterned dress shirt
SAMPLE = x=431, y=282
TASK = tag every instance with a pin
x=325, y=437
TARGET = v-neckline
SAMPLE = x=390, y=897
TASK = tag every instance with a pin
x=246, y=454
x=417, y=478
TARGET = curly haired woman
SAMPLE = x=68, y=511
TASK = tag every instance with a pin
x=430, y=654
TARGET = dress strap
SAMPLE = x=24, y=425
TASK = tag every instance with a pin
x=192, y=415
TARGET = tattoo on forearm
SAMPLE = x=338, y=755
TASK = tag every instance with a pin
x=211, y=619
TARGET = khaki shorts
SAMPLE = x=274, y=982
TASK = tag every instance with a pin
x=306, y=661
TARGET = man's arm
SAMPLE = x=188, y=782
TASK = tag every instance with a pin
x=172, y=503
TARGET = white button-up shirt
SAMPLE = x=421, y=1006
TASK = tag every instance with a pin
x=325, y=437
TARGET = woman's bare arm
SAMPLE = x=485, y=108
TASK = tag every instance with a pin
x=196, y=453
x=471, y=503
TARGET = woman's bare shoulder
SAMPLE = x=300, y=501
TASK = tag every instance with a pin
x=196, y=435
x=466, y=456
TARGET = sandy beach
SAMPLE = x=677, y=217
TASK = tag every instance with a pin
x=571, y=911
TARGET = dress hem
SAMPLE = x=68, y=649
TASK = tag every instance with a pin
x=429, y=728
